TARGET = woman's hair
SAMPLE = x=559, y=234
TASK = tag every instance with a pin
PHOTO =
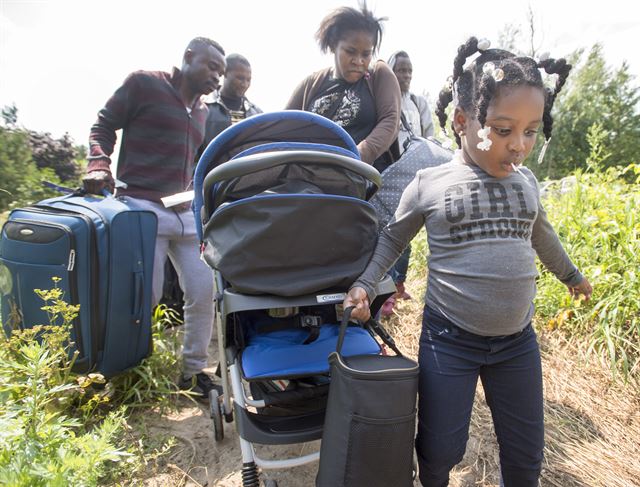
x=347, y=19
x=474, y=88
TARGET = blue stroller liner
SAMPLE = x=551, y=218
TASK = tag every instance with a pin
x=283, y=353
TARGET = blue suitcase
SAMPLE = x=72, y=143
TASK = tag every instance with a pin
x=102, y=251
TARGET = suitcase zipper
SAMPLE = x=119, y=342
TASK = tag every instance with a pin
x=94, y=324
x=73, y=282
x=98, y=326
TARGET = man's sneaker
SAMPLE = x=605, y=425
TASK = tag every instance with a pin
x=200, y=384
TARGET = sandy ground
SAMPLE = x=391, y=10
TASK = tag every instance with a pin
x=198, y=460
x=592, y=432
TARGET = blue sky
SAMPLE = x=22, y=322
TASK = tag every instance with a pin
x=61, y=59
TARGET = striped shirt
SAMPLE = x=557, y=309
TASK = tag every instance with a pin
x=160, y=135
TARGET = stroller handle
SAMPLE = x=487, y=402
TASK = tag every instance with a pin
x=257, y=162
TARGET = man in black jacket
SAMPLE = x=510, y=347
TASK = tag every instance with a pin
x=230, y=105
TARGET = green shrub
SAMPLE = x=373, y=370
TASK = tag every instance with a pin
x=41, y=443
x=60, y=428
x=598, y=224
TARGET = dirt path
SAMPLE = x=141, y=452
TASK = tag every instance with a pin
x=592, y=431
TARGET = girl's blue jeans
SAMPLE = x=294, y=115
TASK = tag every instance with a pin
x=451, y=360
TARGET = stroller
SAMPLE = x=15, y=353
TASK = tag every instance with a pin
x=281, y=206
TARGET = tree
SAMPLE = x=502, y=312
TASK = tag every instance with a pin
x=27, y=158
x=20, y=179
x=57, y=154
x=595, y=95
x=10, y=115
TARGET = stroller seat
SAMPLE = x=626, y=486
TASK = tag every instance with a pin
x=283, y=353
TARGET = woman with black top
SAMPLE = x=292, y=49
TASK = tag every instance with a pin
x=362, y=99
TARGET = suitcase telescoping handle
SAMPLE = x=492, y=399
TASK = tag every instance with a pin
x=74, y=191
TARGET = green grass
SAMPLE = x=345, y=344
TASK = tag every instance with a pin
x=598, y=224
x=60, y=428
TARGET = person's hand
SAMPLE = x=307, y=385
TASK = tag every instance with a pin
x=584, y=288
x=95, y=181
x=358, y=298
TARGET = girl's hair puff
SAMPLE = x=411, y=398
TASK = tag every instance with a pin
x=474, y=89
x=347, y=19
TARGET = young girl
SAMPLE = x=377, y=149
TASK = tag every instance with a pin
x=485, y=224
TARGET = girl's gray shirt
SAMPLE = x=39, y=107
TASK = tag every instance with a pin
x=483, y=235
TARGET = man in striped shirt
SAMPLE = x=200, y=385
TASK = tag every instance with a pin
x=163, y=119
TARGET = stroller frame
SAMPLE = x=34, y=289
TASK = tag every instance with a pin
x=235, y=406
x=260, y=143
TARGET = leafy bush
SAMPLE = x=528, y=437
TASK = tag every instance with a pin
x=20, y=178
x=598, y=224
x=28, y=157
x=41, y=443
x=58, y=428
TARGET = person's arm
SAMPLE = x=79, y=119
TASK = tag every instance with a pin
x=296, y=101
x=393, y=239
x=387, y=98
x=426, y=120
x=111, y=118
x=102, y=137
x=546, y=243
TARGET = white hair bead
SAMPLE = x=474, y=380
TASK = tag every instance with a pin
x=483, y=44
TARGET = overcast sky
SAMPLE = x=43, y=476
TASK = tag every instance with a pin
x=60, y=60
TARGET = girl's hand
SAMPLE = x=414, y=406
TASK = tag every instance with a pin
x=584, y=288
x=357, y=297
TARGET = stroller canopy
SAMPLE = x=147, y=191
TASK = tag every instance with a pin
x=290, y=216
x=285, y=130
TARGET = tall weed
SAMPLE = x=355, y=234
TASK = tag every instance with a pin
x=598, y=224
x=41, y=442
x=58, y=428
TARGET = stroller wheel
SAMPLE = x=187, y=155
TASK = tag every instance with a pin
x=215, y=410
x=228, y=417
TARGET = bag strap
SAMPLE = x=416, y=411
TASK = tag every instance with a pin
x=384, y=336
x=372, y=325
x=333, y=109
x=346, y=314
x=414, y=99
